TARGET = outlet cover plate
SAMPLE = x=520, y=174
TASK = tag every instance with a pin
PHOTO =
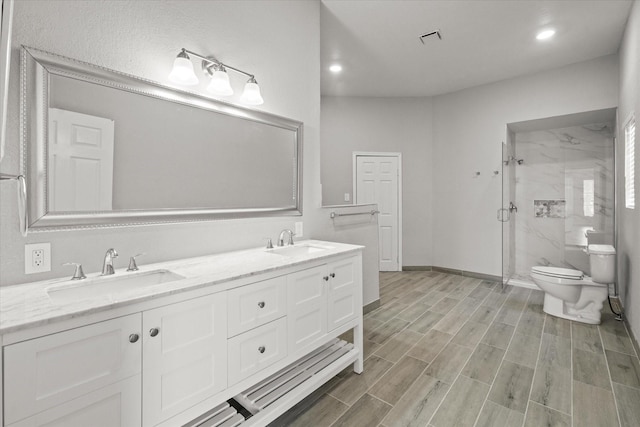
x=30, y=266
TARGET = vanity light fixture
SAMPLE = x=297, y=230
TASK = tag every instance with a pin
x=182, y=73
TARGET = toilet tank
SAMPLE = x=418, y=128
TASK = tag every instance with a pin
x=602, y=259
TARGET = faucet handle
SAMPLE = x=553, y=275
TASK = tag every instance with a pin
x=132, y=262
x=269, y=242
x=291, y=234
x=78, y=274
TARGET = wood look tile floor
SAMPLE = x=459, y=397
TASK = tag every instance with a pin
x=445, y=350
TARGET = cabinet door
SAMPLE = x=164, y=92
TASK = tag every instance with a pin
x=184, y=356
x=307, y=302
x=343, y=299
x=45, y=372
x=112, y=406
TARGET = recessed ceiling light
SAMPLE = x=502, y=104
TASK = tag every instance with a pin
x=335, y=68
x=545, y=34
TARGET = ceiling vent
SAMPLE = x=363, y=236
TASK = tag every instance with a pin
x=433, y=35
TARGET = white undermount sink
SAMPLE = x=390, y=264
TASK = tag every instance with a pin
x=296, y=250
x=102, y=286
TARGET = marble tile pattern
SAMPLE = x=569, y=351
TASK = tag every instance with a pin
x=29, y=305
x=510, y=364
x=557, y=164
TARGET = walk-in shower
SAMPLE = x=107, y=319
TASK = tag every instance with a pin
x=559, y=173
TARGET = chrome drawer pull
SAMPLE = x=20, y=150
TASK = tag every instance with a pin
x=154, y=331
x=261, y=304
x=333, y=275
x=325, y=278
x=133, y=338
x=261, y=349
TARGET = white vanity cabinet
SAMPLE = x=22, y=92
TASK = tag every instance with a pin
x=60, y=376
x=165, y=361
x=321, y=299
x=180, y=350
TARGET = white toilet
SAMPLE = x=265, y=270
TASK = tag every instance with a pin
x=572, y=295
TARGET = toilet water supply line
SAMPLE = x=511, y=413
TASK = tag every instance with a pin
x=618, y=315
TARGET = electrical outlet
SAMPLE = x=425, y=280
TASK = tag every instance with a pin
x=298, y=229
x=37, y=258
x=347, y=197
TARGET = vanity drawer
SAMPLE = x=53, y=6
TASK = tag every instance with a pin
x=45, y=372
x=256, y=304
x=254, y=350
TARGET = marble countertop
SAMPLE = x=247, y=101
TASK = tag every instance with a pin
x=31, y=304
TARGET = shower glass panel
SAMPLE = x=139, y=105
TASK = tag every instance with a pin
x=509, y=211
x=503, y=215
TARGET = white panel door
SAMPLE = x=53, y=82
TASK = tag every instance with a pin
x=184, y=355
x=80, y=161
x=45, y=372
x=377, y=182
x=307, y=302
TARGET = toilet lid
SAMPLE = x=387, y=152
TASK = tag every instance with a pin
x=563, y=273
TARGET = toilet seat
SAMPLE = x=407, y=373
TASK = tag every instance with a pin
x=561, y=273
x=562, y=276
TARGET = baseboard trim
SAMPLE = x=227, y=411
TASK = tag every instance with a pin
x=371, y=306
x=417, y=268
x=465, y=273
x=634, y=340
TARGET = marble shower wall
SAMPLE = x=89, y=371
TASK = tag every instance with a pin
x=574, y=164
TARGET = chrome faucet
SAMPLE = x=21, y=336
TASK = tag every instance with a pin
x=281, y=238
x=107, y=266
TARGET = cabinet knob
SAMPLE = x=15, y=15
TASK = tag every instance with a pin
x=261, y=304
x=133, y=338
x=325, y=278
x=333, y=275
x=154, y=331
x=261, y=349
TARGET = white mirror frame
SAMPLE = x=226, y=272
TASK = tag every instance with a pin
x=37, y=65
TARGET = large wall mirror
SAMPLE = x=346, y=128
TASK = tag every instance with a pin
x=103, y=148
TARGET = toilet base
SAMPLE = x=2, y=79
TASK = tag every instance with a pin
x=590, y=314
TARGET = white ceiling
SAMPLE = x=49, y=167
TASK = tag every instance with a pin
x=377, y=42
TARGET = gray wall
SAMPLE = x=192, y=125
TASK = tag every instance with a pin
x=629, y=220
x=469, y=127
x=383, y=125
